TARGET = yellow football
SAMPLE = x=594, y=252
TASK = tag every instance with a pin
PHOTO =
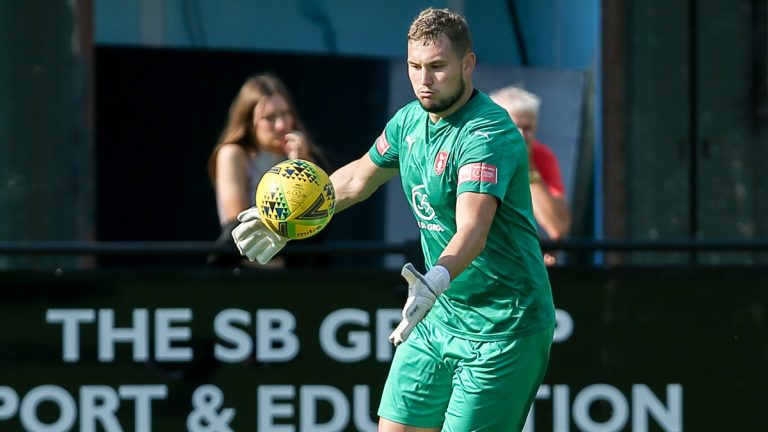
x=295, y=199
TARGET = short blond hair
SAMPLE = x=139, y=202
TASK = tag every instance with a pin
x=515, y=99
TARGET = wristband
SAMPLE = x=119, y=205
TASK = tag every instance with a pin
x=439, y=277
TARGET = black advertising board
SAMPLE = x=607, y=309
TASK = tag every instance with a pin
x=307, y=350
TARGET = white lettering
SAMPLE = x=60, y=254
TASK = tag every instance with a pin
x=142, y=395
x=386, y=321
x=224, y=327
x=362, y=407
x=359, y=342
x=619, y=411
x=358, y=346
x=276, y=340
x=57, y=395
x=166, y=334
x=430, y=226
x=560, y=411
x=644, y=402
x=563, y=326
x=70, y=320
x=310, y=395
x=9, y=402
x=644, y=405
x=98, y=407
x=98, y=404
x=269, y=409
x=136, y=335
x=275, y=402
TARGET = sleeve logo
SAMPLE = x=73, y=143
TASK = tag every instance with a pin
x=440, y=162
x=381, y=143
x=478, y=171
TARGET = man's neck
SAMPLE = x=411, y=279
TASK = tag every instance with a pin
x=435, y=117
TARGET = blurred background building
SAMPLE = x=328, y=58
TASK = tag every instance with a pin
x=109, y=109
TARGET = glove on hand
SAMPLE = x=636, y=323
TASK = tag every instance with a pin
x=423, y=290
x=254, y=239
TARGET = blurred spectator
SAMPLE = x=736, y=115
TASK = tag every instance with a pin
x=263, y=128
x=550, y=207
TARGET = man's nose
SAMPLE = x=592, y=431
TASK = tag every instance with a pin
x=426, y=76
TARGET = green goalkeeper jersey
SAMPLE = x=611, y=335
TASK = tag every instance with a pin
x=504, y=293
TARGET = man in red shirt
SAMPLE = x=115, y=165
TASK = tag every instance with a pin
x=550, y=207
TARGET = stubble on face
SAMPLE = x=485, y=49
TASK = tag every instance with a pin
x=435, y=71
x=445, y=102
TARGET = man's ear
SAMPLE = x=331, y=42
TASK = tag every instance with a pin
x=468, y=64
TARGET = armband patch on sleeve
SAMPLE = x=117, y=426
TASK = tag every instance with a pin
x=381, y=144
x=478, y=171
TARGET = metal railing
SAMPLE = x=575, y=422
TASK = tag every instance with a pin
x=361, y=247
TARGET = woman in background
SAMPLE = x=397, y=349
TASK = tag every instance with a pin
x=263, y=129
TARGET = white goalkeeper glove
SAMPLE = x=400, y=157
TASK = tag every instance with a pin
x=254, y=239
x=423, y=291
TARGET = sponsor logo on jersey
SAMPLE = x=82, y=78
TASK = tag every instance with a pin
x=420, y=203
x=478, y=171
x=381, y=143
x=440, y=162
x=430, y=226
x=423, y=210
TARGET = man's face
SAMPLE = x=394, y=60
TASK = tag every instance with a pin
x=437, y=74
x=526, y=123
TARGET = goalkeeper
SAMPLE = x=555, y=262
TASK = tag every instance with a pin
x=473, y=344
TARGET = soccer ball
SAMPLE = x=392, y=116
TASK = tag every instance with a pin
x=295, y=199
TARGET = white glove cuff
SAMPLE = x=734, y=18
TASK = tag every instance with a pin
x=439, y=279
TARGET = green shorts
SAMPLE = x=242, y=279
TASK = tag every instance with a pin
x=437, y=379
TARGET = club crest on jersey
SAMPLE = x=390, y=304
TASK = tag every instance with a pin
x=440, y=162
x=381, y=144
